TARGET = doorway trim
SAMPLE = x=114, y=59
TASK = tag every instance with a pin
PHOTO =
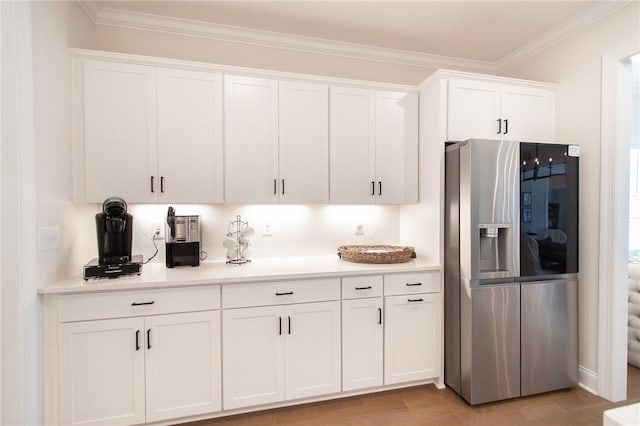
x=614, y=222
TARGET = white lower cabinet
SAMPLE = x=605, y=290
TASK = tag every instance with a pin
x=253, y=356
x=108, y=366
x=102, y=372
x=412, y=337
x=362, y=343
x=278, y=353
x=182, y=365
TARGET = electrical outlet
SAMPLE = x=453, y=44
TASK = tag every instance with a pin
x=359, y=230
x=156, y=231
x=266, y=231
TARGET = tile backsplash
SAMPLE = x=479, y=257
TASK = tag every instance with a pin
x=296, y=230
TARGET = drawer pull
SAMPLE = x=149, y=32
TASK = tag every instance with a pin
x=416, y=300
x=380, y=316
x=143, y=303
x=413, y=284
x=364, y=288
x=137, y=340
x=288, y=293
x=148, y=338
x=289, y=324
x=280, y=326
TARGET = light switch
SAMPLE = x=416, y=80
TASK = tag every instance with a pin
x=48, y=238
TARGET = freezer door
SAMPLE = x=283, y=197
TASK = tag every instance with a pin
x=549, y=335
x=490, y=343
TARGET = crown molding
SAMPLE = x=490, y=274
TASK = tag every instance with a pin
x=568, y=28
x=155, y=61
x=186, y=27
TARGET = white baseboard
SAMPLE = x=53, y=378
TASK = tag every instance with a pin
x=588, y=380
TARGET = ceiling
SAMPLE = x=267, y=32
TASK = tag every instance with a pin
x=476, y=30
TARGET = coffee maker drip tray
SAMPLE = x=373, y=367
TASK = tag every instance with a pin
x=93, y=269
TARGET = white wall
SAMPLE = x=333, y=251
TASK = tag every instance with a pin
x=575, y=64
x=56, y=26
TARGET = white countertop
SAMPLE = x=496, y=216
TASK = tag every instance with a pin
x=156, y=275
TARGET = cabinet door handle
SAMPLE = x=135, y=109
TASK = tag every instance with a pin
x=148, y=338
x=143, y=303
x=289, y=318
x=380, y=316
x=364, y=288
x=499, y=125
x=275, y=189
x=282, y=186
x=280, y=326
x=506, y=126
x=152, y=186
x=161, y=183
x=413, y=284
x=379, y=187
x=287, y=293
x=373, y=188
x=415, y=300
x=137, y=340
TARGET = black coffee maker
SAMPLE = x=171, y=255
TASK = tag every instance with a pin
x=114, y=229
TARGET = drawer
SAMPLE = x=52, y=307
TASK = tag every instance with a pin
x=280, y=292
x=117, y=304
x=411, y=283
x=358, y=287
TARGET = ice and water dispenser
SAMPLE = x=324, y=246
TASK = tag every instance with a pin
x=494, y=244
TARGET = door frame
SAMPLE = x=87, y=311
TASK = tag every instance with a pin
x=614, y=222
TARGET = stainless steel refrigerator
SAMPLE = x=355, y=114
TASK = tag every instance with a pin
x=511, y=269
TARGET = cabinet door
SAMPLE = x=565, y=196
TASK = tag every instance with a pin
x=352, y=145
x=396, y=148
x=120, y=132
x=412, y=338
x=527, y=113
x=361, y=343
x=250, y=139
x=102, y=372
x=182, y=364
x=474, y=110
x=312, y=349
x=253, y=356
x=190, y=136
x=303, y=142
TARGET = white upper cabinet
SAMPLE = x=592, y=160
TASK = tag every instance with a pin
x=250, y=139
x=303, y=142
x=120, y=144
x=190, y=136
x=396, y=147
x=492, y=110
x=373, y=146
x=352, y=145
x=150, y=134
x=528, y=113
x=474, y=108
x=276, y=141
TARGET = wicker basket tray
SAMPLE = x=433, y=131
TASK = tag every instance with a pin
x=376, y=253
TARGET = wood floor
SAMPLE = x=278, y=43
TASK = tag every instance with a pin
x=426, y=405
